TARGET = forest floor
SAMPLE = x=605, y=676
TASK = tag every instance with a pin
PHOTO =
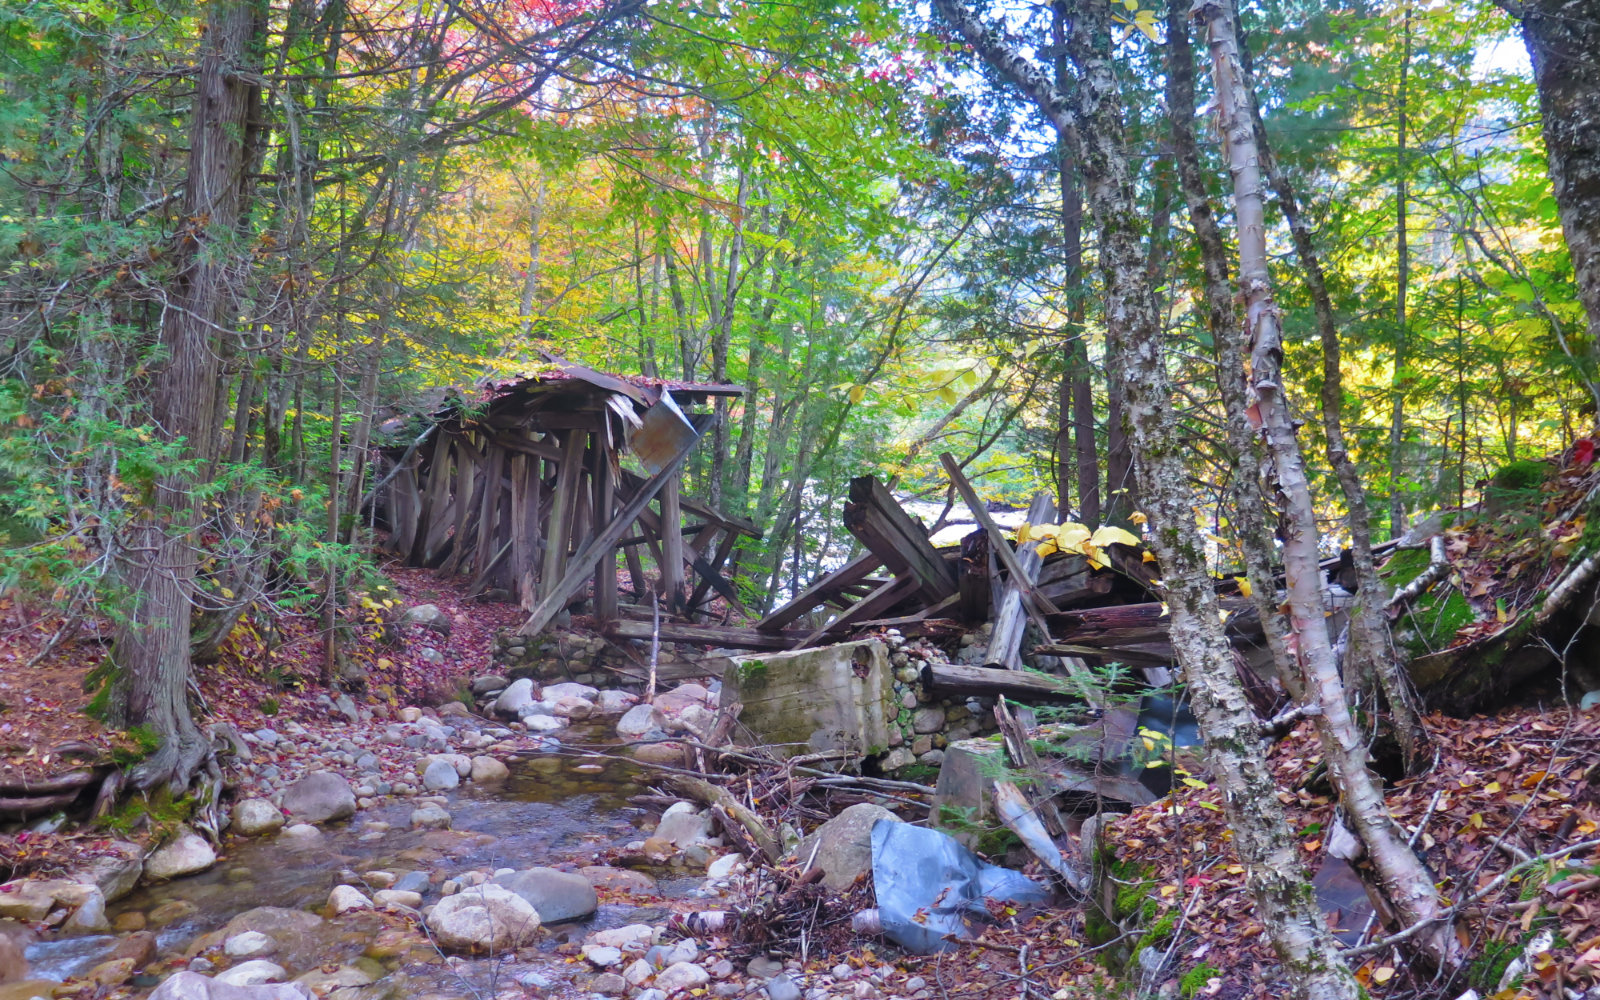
x=1522, y=784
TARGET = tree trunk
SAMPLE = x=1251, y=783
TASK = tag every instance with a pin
x=152, y=645
x=1401, y=876
x=1402, y=275
x=1563, y=40
x=1371, y=648
x=1276, y=875
x=1250, y=506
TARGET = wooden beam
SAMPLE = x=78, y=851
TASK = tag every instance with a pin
x=671, y=547
x=821, y=590
x=871, y=606
x=521, y=537
x=960, y=680
x=707, y=635
x=557, y=534
x=494, y=461
x=877, y=520
x=605, y=570
x=1011, y=618
x=582, y=564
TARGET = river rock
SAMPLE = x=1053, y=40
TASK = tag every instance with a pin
x=843, y=845
x=347, y=898
x=301, y=832
x=782, y=988
x=620, y=879
x=440, y=775
x=488, y=684
x=250, y=944
x=29, y=900
x=682, y=826
x=428, y=616
x=630, y=938
x=663, y=752
x=486, y=770
x=320, y=797
x=254, y=817
x=115, y=872
x=89, y=917
x=412, y=882
x=485, y=918
x=638, y=720
x=138, y=947
x=681, y=697
x=193, y=986
x=572, y=708
x=185, y=854
x=283, y=925
x=112, y=972
x=398, y=897
x=515, y=698
x=430, y=816
x=569, y=689
x=252, y=973
x=558, y=896
x=614, y=702
x=681, y=976
x=541, y=723
x=602, y=956
x=170, y=912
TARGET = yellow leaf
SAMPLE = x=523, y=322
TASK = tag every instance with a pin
x=1168, y=890
x=1072, y=537
x=1235, y=869
x=1047, y=547
x=225, y=592
x=1383, y=975
x=857, y=393
x=1244, y=586
x=1311, y=845
x=1148, y=556
x=1492, y=787
x=1148, y=29
x=1111, y=535
x=1194, y=783
x=1023, y=531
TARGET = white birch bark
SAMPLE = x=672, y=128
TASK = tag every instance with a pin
x=1401, y=875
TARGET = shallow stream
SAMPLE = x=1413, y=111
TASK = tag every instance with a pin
x=556, y=810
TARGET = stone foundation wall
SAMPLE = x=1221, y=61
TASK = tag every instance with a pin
x=557, y=656
x=925, y=725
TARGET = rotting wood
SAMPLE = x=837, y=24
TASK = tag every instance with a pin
x=854, y=571
x=557, y=537
x=973, y=579
x=998, y=543
x=961, y=680
x=1011, y=619
x=708, y=794
x=605, y=573
x=876, y=603
x=876, y=519
x=671, y=548
x=709, y=635
x=582, y=563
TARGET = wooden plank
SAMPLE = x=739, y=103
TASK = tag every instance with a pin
x=711, y=572
x=467, y=481
x=512, y=441
x=707, y=635
x=435, y=521
x=871, y=606
x=671, y=547
x=489, y=514
x=582, y=564
x=605, y=571
x=958, y=679
x=557, y=532
x=1011, y=617
x=876, y=520
x=521, y=540
x=630, y=553
x=973, y=578
x=819, y=591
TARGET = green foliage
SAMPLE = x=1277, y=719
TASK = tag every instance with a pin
x=157, y=812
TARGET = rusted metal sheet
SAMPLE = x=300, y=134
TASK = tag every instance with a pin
x=664, y=434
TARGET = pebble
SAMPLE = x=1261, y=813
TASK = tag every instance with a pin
x=609, y=984
x=430, y=817
x=252, y=973
x=782, y=988
x=682, y=976
x=346, y=899
x=602, y=956
x=250, y=944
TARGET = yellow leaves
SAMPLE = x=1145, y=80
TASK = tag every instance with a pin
x=1244, y=586
x=1076, y=539
x=1148, y=557
x=1383, y=975
x=1138, y=518
x=857, y=393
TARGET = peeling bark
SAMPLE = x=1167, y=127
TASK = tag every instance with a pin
x=1276, y=875
x=1400, y=874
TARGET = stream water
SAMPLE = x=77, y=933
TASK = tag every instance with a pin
x=554, y=810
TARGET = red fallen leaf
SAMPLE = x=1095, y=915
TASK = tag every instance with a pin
x=1196, y=881
x=1583, y=452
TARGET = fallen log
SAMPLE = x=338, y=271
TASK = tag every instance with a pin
x=708, y=635
x=706, y=793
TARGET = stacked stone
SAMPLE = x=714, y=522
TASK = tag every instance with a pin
x=925, y=724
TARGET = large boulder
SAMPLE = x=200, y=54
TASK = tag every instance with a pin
x=428, y=616
x=280, y=923
x=320, y=797
x=557, y=896
x=683, y=826
x=194, y=986
x=254, y=817
x=515, y=699
x=440, y=775
x=486, y=770
x=569, y=689
x=486, y=918
x=184, y=854
x=29, y=900
x=842, y=847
